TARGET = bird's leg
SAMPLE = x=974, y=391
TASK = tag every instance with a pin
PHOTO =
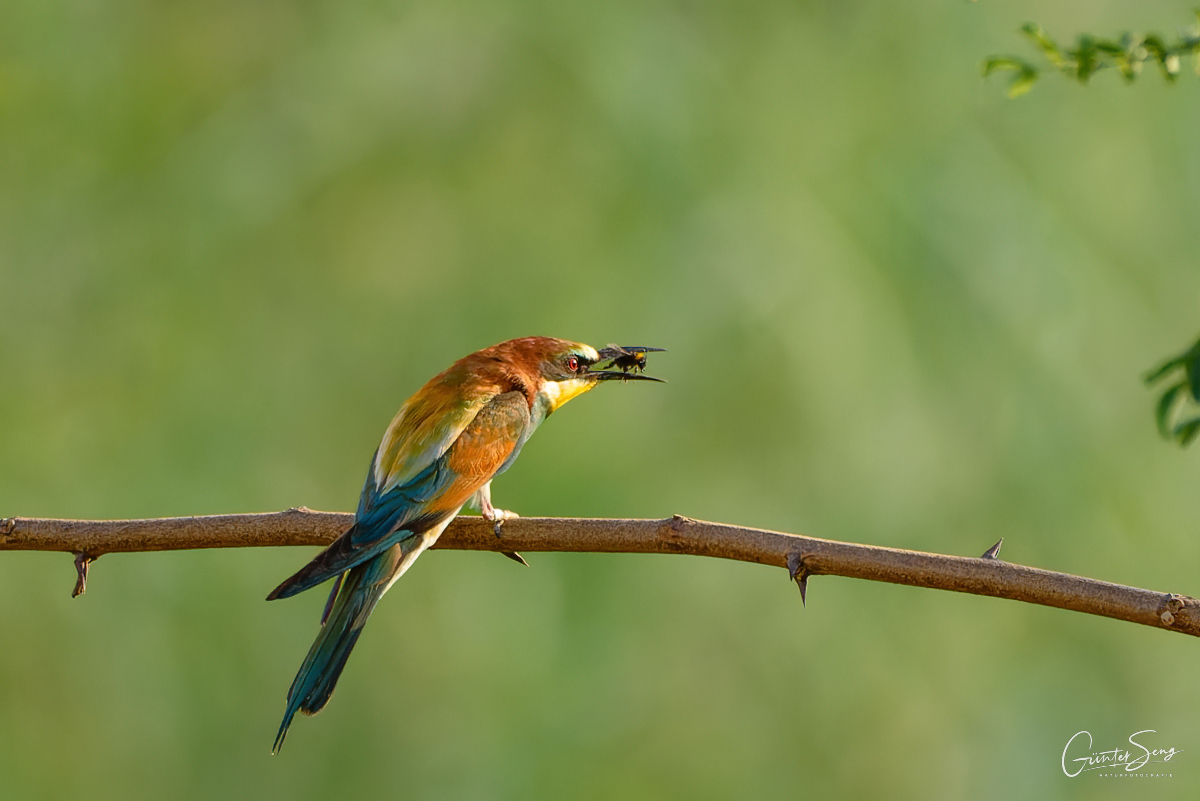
x=496, y=517
x=490, y=513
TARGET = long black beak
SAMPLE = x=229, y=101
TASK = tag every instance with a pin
x=607, y=375
x=629, y=361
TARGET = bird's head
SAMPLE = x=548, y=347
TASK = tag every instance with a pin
x=562, y=370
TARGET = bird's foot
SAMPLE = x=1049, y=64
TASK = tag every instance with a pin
x=497, y=517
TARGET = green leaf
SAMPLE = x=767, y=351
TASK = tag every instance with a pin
x=1154, y=45
x=1086, y=62
x=997, y=63
x=1053, y=54
x=1128, y=53
x=1163, y=369
x=1190, y=360
x=1129, y=67
x=1186, y=432
x=1023, y=82
x=1162, y=412
x=1193, y=376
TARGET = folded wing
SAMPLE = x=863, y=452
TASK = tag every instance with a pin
x=483, y=445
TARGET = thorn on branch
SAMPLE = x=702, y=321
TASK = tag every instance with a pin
x=516, y=557
x=82, y=562
x=799, y=574
x=994, y=551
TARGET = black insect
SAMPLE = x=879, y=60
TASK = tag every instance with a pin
x=628, y=358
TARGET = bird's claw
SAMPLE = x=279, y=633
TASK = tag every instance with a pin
x=497, y=517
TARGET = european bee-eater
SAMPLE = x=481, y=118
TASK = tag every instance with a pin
x=441, y=451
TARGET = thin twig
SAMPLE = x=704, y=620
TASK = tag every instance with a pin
x=803, y=557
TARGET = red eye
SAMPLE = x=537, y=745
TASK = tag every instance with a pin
x=572, y=363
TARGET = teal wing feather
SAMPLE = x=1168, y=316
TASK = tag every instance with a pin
x=399, y=514
x=483, y=447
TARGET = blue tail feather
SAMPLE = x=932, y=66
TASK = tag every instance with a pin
x=318, y=675
x=343, y=621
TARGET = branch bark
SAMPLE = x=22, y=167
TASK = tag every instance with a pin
x=803, y=557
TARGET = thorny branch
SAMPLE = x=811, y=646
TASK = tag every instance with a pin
x=803, y=557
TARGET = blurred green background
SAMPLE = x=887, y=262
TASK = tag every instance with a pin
x=901, y=309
